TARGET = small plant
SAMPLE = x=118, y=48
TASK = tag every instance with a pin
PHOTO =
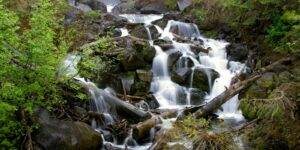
x=93, y=14
x=198, y=130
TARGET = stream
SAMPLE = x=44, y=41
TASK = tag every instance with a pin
x=169, y=94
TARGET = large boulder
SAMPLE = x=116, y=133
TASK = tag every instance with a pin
x=174, y=58
x=94, y=4
x=154, y=8
x=201, y=78
x=262, y=87
x=237, y=52
x=125, y=7
x=181, y=75
x=131, y=60
x=67, y=135
x=140, y=32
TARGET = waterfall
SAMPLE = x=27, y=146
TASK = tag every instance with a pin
x=141, y=18
x=99, y=103
x=166, y=91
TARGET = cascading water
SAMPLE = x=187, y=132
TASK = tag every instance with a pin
x=216, y=59
x=110, y=4
x=162, y=86
x=143, y=19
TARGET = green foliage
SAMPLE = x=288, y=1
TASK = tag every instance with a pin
x=198, y=130
x=170, y=3
x=29, y=59
x=92, y=14
x=94, y=66
x=278, y=21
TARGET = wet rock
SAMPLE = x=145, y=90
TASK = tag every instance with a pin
x=181, y=75
x=201, y=80
x=197, y=96
x=83, y=7
x=125, y=7
x=184, y=62
x=62, y=135
x=141, y=88
x=140, y=32
x=94, y=4
x=144, y=75
x=131, y=60
x=154, y=8
x=154, y=32
x=148, y=54
x=152, y=101
x=116, y=33
x=173, y=58
x=237, y=52
x=262, y=87
x=81, y=111
x=117, y=21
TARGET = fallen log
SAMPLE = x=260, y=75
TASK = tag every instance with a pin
x=125, y=110
x=142, y=130
x=234, y=89
x=131, y=97
x=115, y=105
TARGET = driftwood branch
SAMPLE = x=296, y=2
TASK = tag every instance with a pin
x=142, y=130
x=133, y=98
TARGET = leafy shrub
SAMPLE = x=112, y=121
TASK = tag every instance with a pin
x=29, y=57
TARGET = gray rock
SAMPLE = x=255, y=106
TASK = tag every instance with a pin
x=197, y=96
x=237, y=52
x=154, y=8
x=173, y=58
x=67, y=135
x=152, y=101
x=140, y=32
x=125, y=7
x=181, y=75
x=131, y=60
x=200, y=78
x=80, y=110
x=94, y=4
